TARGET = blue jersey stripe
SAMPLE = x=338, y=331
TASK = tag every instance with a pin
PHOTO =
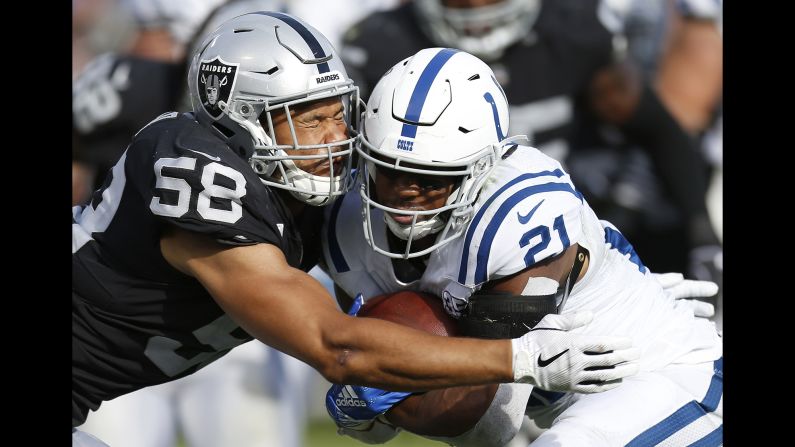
x=309, y=38
x=685, y=415
x=620, y=243
x=333, y=243
x=462, y=272
x=420, y=93
x=715, y=391
x=496, y=221
x=682, y=417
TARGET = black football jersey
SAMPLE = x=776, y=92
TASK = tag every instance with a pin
x=114, y=96
x=137, y=321
x=544, y=75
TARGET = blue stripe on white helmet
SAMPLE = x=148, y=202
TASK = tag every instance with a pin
x=442, y=113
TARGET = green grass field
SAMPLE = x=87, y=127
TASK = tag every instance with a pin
x=322, y=433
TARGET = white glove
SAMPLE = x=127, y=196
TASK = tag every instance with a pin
x=377, y=431
x=552, y=358
x=678, y=288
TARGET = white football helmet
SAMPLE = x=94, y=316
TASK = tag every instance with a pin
x=443, y=112
x=485, y=31
x=265, y=62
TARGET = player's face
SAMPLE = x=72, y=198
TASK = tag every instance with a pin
x=319, y=122
x=412, y=192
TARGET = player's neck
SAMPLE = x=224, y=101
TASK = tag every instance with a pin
x=295, y=206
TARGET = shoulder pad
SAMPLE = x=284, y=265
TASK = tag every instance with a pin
x=530, y=218
x=189, y=178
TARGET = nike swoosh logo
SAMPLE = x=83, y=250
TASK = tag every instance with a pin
x=206, y=155
x=526, y=218
x=542, y=363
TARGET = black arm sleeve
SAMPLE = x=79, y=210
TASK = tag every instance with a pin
x=674, y=152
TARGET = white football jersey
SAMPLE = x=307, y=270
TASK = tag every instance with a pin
x=529, y=211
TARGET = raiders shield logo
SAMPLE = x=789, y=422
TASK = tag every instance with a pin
x=216, y=79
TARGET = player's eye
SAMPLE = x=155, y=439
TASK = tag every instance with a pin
x=431, y=182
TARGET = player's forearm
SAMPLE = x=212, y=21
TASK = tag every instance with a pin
x=373, y=352
x=690, y=76
x=293, y=313
x=401, y=358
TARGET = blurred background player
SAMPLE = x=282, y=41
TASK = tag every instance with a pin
x=690, y=83
x=677, y=47
x=118, y=93
x=574, y=90
x=255, y=395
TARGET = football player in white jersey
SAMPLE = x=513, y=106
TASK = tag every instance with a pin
x=498, y=231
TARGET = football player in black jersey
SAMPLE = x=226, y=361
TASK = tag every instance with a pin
x=200, y=237
x=157, y=70
x=562, y=66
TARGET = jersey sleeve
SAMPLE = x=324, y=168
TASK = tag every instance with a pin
x=188, y=178
x=531, y=219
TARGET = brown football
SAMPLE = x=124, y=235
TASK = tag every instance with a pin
x=418, y=310
x=448, y=414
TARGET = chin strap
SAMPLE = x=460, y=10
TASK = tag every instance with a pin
x=421, y=229
x=576, y=268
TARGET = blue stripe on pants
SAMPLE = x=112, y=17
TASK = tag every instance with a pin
x=685, y=415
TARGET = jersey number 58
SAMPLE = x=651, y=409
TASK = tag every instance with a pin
x=211, y=190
